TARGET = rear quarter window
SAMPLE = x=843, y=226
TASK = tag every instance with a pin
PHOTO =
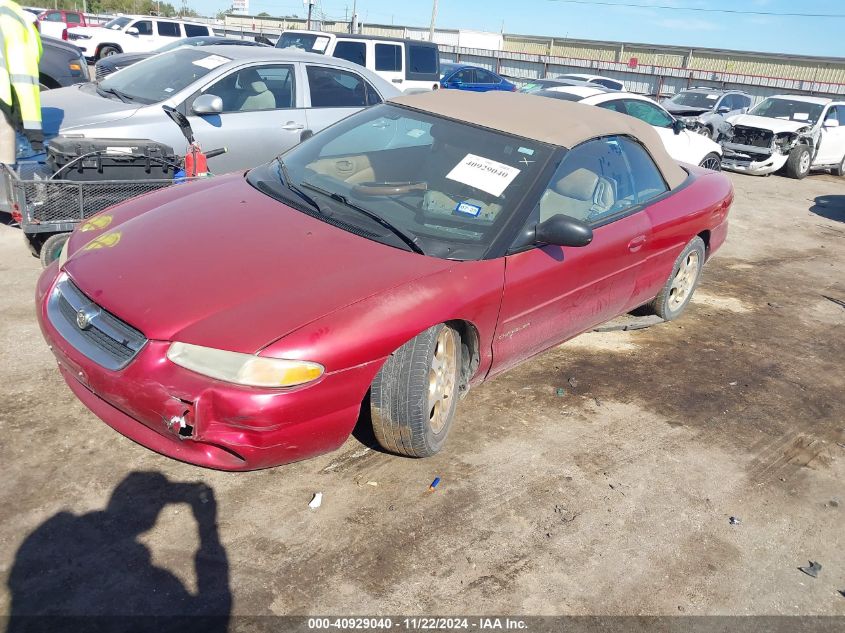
x=194, y=30
x=423, y=63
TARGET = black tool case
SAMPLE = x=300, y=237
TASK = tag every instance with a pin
x=86, y=159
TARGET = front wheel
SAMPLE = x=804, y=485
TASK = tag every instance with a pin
x=711, y=161
x=52, y=248
x=798, y=163
x=414, y=395
x=677, y=291
x=840, y=169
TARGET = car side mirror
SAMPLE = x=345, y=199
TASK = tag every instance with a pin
x=132, y=31
x=563, y=230
x=207, y=104
x=678, y=126
x=723, y=110
x=831, y=123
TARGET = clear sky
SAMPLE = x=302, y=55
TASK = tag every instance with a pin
x=649, y=23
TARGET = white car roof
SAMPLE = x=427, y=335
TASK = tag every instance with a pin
x=805, y=98
x=578, y=91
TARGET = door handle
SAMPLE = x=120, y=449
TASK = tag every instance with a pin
x=293, y=125
x=637, y=243
x=396, y=81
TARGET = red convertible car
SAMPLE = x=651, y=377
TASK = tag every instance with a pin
x=408, y=252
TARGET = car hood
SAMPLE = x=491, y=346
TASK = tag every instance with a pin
x=768, y=123
x=683, y=110
x=66, y=109
x=219, y=264
x=95, y=31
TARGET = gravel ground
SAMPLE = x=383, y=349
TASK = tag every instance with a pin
x=611, y=497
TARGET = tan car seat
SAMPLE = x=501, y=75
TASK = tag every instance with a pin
x=253, y=93
x=579, y=194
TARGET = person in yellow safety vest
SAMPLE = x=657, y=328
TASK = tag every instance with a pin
x=20, y=99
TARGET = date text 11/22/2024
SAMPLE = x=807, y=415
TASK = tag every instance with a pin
x=418, y=623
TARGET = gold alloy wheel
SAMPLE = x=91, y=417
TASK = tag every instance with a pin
x=684, y=280
x=441, y=379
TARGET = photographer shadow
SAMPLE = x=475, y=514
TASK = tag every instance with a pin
x=79, y=566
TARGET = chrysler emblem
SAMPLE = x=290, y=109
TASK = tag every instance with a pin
x=84, y=316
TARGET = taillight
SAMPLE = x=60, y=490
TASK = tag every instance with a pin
x=64, y=34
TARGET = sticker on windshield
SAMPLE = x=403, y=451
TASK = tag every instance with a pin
x=712, y=97
x=415, y=133
x=320, y=44
x=526, y=150
x=801, y=116
x=482, y=173
x=465, y=208
x=211, y=61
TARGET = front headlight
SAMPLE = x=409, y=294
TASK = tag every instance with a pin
x=243, y=369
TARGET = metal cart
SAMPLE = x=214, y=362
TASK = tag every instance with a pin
x=48, y=210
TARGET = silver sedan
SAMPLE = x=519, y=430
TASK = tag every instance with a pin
x=255, y=102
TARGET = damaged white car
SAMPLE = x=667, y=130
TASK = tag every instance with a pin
x=793, y=132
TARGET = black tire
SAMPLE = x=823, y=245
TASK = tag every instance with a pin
x=840, y=169
x=404, y=421
x=712, y=161
x=52, y=248
x=798, y=163
x=107, y=51
x=668, y=305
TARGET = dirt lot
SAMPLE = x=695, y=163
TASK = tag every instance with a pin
x=611, y=497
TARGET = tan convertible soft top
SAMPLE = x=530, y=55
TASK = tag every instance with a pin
x=553, y=121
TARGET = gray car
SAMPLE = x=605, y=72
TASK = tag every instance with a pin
x=705, y=109
x=256, y=102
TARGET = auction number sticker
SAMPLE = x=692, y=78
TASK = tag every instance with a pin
x=482, y=173
x=211, y=61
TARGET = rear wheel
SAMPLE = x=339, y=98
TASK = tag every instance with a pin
x=108, y=50
x=677, y=291
x=711, y=161
x=52, y=248
x=414, y=395
x=798, y=163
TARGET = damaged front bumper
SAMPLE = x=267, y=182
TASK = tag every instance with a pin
x=750, y=159
x=200, y=420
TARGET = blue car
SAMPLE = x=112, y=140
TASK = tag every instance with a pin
x=475, y=78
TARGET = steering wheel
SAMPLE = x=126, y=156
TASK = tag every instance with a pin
x=388, y=188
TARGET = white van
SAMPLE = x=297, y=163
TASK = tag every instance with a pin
x=411, y=65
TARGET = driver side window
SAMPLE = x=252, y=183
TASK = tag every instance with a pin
x=145, y=27
x=648, y=113
x=600, y=179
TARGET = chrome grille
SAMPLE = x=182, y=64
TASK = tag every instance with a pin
x=102, y=337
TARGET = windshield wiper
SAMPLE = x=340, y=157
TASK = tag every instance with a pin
x=406, y=237
x=289, y=184
x=114, y=91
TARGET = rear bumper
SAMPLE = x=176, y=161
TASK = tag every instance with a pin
x=228, y=427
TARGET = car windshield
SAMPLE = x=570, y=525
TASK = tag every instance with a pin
x=789, y=109
x=158, y=78
x=695, y=99
x=308, y=42
x=117, y=23
x=448, y=186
